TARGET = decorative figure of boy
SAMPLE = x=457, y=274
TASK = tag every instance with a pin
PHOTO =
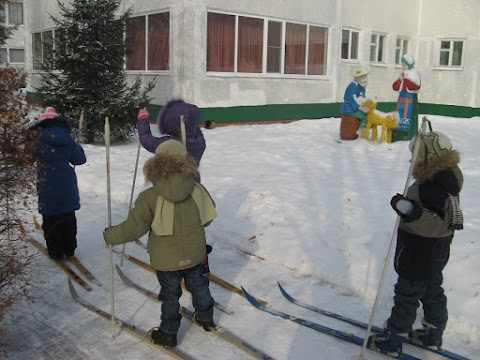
x=353, y=113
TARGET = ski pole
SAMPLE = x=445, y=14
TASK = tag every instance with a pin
x=416, y=146
x=131, y=195
x=109, y=202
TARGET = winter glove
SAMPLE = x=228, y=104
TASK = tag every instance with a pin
x=409, y=210
x=142, y=114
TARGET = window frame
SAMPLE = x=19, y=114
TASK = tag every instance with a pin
x=266, y=46
x=44, y=52
x=401, y=49
x=8, y=51
x=378, y=48
x=350, y=45
x=450, y=53
x=147, y=43
x=7, y=13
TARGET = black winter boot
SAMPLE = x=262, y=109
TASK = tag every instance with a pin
x=207, y=325
x=387, y=342
x=161, y=338
x=429, y=336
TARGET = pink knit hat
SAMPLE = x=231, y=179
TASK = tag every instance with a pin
x=49, y=113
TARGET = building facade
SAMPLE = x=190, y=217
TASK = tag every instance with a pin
x=283, y=59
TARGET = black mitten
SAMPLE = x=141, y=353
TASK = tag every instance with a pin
x=408, y=209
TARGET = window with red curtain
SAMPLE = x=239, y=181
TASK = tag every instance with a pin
x=250, y=45
x=220, y=42
x=136, y=34
x=317, y=54
x=295, y=46
x=274, y=47
x=158, y=41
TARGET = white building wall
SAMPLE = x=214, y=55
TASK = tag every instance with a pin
x=423, y=22
x=458, y=19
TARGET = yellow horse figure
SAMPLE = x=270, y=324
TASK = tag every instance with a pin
x=388, y=122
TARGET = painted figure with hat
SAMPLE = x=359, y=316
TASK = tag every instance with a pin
x=408, y=84
x=58, y=196
x=430, y=214
x=174, y=212
x=354, y=115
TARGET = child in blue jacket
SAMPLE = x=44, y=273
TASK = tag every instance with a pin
x=58, y=196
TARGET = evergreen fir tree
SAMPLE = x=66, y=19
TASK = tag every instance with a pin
x=86, y=70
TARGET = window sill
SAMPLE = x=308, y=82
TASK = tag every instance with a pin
x=265, y=76
x=448, y=68
x=378, y=64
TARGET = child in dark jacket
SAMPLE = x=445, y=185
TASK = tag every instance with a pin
x=174, y=212
x=430, y=213
x=58, y=195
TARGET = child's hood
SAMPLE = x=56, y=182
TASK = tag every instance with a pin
x=172, y=175
x=170, y=117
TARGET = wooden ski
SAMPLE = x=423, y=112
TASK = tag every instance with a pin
x=74, y=260
x=218, y=331
x=61, y=264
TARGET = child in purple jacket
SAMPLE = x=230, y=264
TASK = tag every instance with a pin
x=170, y=126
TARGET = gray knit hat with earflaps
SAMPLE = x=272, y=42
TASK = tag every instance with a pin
x=434, y=145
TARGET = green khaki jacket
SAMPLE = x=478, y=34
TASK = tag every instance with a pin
x=185, y=246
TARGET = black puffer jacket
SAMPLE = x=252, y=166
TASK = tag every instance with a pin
x=424, y=237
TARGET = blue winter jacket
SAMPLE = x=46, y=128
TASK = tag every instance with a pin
x=55, y=153
x=350, y=106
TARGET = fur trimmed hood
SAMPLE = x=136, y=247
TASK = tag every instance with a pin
x=163, y=165
x=425, y=170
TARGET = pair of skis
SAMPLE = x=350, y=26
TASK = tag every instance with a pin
x=64, y=264
x=174, y=352
x=336, y=333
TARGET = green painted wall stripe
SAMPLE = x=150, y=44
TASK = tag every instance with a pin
x=275, y=112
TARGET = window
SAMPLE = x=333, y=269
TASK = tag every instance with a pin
x=401, y=48
x=274, y=47
x=3, y=55
x=295, y=48
x=450, y=53
x=317, y=51
x=12, y=56
x=42, y=45
x=17, y=56
x=12, y=13
x=151, y=49
x=377, y=48
x=220, y=42
x=250, y=45
x=350, y=44
x=237, y=44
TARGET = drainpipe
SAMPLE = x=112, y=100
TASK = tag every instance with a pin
x=336, y=50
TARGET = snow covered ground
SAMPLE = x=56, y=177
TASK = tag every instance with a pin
x=294, y=206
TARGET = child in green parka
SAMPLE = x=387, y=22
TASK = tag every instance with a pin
x=174, y=211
